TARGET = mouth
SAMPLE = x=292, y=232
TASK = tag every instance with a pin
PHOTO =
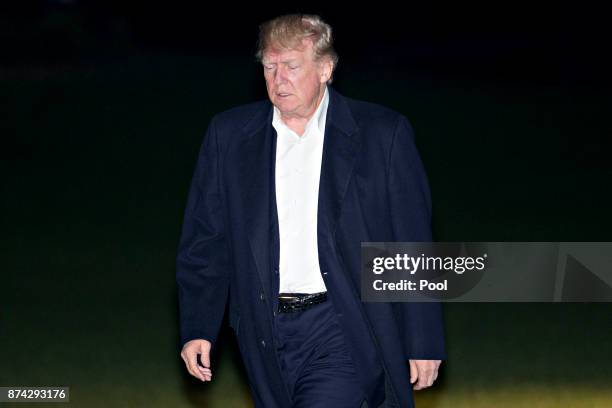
x=282, y=94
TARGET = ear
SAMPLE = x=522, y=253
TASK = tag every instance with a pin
x=326, y=66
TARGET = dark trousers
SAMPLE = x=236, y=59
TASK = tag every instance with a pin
x=317, y=367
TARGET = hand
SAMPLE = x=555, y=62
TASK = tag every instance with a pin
x=190, y=352
x=425, y=371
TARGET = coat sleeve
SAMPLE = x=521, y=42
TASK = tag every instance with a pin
x=421, y=324
x=202, y=272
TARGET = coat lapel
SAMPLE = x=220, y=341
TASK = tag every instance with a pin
x=340, y=150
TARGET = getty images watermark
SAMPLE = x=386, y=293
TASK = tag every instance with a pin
x=486, y=271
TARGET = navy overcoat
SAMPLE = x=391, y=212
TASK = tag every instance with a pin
x=372, y=188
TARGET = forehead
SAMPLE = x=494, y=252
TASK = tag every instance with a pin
x=284, y=54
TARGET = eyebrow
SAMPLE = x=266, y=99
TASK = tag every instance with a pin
x=289, y=61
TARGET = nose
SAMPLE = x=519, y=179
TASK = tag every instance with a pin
x=280, y=75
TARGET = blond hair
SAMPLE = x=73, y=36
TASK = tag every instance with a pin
x=289, y=31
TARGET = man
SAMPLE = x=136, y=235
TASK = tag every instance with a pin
x=282, y=196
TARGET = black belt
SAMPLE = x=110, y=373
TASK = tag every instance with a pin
x=297, y=302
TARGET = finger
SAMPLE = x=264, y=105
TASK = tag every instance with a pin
x=414, y=375
x=435, y=376
x=205, y=357
x=425, y=376
x=422, y=383
x=436, y=371
x=206, y=373
x=204, y=366
x=430, y=377
x=205, y=370
x=207, y=377
x=192, y=368
x=429, y=380
x=193, y=365
x=431, y=374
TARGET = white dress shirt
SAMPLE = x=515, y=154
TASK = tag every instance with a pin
x=298, y=168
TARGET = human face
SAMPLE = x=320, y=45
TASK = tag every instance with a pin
x=295, y=81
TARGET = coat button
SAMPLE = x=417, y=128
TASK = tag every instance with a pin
x=262, y=296
x=276, y=271
x=263, y=343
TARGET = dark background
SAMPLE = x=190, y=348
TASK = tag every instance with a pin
x=104, y=106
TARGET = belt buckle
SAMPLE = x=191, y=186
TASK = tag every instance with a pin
x=290, y=303
x=289, y=298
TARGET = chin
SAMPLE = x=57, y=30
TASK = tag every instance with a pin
x=285, y=107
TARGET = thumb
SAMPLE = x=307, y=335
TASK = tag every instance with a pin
x=414, y=375
x=205, y=354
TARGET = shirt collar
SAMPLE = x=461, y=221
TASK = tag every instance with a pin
x=317, y=119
